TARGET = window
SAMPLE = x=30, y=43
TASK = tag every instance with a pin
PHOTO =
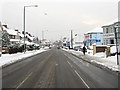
x=110, y=29
x=90, y=35
x=106, y=42
x=112, y=41
x=106, y=30
x=91, y=44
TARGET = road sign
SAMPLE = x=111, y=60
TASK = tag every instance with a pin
x=68, y=43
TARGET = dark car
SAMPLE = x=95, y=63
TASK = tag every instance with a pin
x=76, y=48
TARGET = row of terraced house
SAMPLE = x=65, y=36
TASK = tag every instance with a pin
x=17, y=37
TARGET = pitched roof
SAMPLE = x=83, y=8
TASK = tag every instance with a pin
x=95, y=30
x=31, y=38
x=110, y=23
x=10, y=31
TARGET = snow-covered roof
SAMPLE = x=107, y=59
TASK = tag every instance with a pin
x=31, y=38
x=21, y=35
x=10, y=31
x=27, y=42
x=14, y=40
x=95, y=30
x=111, y=23
x=37, y=44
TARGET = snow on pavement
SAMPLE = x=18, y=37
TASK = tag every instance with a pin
x=7, y=59
x=99, y=58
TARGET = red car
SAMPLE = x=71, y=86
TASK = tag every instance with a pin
x=58, y=47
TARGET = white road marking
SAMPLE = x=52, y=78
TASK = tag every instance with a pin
x=69, y=63
x=82, y=79
x=56, y=64
x=24, y=80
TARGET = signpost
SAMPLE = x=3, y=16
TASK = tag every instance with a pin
x=68, y=44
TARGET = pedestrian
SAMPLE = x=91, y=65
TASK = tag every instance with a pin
x=84, y=50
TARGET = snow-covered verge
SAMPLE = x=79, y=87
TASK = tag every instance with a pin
x=99, y=59
x=7, y=59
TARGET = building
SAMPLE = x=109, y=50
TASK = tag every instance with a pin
x=94, y=36
x=13, y=34
x=29, y=37
x=109, y=33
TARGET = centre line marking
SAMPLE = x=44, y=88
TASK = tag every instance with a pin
x=82, y=79
x=69, y=63
x=24, y=80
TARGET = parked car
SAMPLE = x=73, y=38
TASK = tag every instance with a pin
x=77, y=48
x=58, y=47
x=50, y=47
x=66, y=47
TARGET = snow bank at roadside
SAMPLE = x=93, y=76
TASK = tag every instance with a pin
x=7, y=59
x=99, y=59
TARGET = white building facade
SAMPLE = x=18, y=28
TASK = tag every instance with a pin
x=109, y=33
x=94, y=36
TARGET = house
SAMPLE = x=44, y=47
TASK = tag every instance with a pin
x=13, y=34
x=109, y=33
x=28, y=39
x=94, y=36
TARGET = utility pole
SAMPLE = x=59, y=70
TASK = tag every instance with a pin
x=119, y=30
x=116, y=45
x=24, y=22
x=71, y=39
x=42, y=35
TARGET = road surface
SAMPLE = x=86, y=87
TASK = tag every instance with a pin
x=57, y=69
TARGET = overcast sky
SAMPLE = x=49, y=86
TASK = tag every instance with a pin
x=62, y=16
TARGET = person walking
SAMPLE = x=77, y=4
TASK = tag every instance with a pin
x=84, y=50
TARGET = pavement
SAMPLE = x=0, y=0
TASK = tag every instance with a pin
x=99, y=62
x=56, y=69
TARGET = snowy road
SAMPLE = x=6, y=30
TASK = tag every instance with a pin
x=57, y=69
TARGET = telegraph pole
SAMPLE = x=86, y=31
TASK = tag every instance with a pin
x=71, y=39
x=119, y=30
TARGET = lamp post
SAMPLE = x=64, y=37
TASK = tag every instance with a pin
x=116, y=37
x=24, y=24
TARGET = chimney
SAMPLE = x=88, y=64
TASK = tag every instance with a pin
x=26, y=32
x=16, y=30
x=5, y=26
x=22, y=32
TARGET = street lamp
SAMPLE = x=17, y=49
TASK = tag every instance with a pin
x=116, y=37
x=24, y=24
